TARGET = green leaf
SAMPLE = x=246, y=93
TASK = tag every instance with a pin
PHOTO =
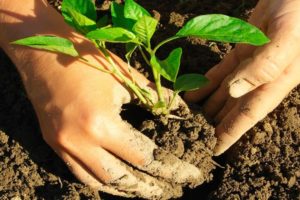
x=224, y=29
x=169, y=67
x=189, y=82
x=115, y=34
x=134, y=11
x=103, y=21
x=50, y=43
x=84, y=7
x=130, y=48
x=118, y=18
x=81, y=23
x=145, y=28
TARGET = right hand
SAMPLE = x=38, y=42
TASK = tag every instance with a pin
x=252, y=81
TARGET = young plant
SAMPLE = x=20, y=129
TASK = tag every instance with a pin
x=133, y=25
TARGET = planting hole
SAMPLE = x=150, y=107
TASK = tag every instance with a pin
x=135, y=115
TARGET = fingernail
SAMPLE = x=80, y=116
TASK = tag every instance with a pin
x=219, y=149
x=239, y=87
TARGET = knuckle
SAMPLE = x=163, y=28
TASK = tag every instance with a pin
x=246, y=112
x=94, y=125
x=61, y=139
x=268, y=71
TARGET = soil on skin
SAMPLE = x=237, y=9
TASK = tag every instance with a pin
x=264, y=164
x=190, y=139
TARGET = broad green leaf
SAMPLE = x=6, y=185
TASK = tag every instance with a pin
x=130, y=48
x=134, y=11
x=118, y=18
x=115, y=34
x=189, y=82
x=81, y=23
x=84, y=7
x=103, y=21
x=50, y=43
x=145, y=28
x=224, y=29
x=169, y=67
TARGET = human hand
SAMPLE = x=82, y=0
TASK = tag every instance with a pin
x=78, y=110
x=81, y=122
x=251, y=81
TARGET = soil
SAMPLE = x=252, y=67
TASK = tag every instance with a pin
x=190, y=137
x=264, y=164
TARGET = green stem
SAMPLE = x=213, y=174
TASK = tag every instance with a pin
x=156, y=75
x=172, y=101
x=157, y=81
x=175, y=37
x=144, y=56
x=120, y=75
x=100, y=68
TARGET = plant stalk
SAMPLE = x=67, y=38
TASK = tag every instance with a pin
x=175, y=37
x=157, y=81
x=175, y=93
x=100, y=68
x=144, y=56
x=156, y=75
x=120, y=75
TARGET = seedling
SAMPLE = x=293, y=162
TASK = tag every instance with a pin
x=133, y=25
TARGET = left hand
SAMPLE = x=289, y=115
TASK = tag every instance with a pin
x=251, y=81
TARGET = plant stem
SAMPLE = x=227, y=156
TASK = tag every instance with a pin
x=100, y=68
x=164, y=42
x=172, y=101
x=120, y=75
x=144, y=56
x=157, y=81
x=156, y=75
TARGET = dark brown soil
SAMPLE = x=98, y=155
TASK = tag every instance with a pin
x=264, y=164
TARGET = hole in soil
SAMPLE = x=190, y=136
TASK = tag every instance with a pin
x=135, y=114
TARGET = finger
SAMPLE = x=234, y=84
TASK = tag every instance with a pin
x=138, y=150
x=226, y=109
x=216, y=101
x=87, y=178
x=254, y=106
x=259, y=17
x=114, y=173
x=268, y=61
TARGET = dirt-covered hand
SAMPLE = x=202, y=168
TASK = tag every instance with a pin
x=78, y=109
x=81, y=122
x=251, y=81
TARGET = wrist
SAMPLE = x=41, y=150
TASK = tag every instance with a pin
x=29, y=18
